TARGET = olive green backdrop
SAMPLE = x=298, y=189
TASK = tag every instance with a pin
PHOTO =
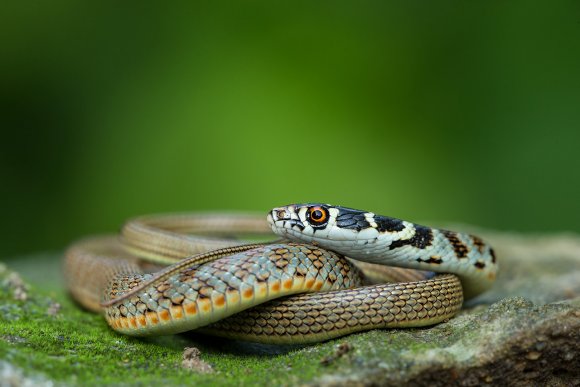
x=440, y=111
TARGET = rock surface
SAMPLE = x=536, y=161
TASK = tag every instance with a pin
x=526, y=331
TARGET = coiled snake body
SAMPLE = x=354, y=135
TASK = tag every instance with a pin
x=249, y=292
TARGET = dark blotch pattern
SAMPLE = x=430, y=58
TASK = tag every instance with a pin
x=433, y=259
x=423, y=237
x=384, y=223
x=351, y=219
x=478, y=243
x=459, y=247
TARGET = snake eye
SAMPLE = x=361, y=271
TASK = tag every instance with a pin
x=281, y=214
x=317, y=215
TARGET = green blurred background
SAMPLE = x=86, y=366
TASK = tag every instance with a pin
x=443, y=111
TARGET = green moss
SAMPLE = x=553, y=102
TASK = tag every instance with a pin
x=76, y=346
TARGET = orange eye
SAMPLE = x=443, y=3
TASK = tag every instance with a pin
x=317, y=215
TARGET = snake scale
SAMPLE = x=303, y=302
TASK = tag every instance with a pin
x=301, y=289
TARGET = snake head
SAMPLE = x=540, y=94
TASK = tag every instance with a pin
x=299, y=220
x=314, y=222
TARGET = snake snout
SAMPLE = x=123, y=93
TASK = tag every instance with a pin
x=281, y=218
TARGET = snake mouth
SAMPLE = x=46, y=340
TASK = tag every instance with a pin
x=282, y=219
x=293, y=223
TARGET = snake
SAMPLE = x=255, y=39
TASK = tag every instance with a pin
x=324, y=278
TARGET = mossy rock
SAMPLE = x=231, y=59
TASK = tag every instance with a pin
x=524, y=331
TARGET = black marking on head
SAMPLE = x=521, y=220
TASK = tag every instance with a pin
x=492, y=253
x=459, y=247
x=423, y=237
x=293, y=223
x=479, y=264
x=351, y=219
x=384, y=223
x=432, y=259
